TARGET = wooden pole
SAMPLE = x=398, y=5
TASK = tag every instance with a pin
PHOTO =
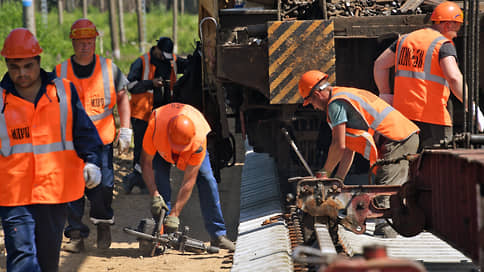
x=44, y=11
x=121, y=21
x=60, y=11
x=114, y=30
x=175, y=26
x=29, y=15
x=141, y=32
x=84, y=8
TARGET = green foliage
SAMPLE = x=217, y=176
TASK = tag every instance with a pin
x=54, y=38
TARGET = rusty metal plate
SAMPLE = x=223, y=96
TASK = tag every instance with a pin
x=294, y=48
x=450, y=181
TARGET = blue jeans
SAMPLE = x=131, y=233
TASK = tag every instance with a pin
x=207, y=190
x=139, y=129
x=33, y=236
x=101, y=198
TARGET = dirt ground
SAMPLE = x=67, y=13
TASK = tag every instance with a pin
x=129, y=209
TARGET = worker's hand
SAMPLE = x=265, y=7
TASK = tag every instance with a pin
x=157, y=203
x=92, y=175
x=171, y=224
x=157, y=82
x=124, y=140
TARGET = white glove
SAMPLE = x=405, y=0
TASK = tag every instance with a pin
x=92, y=175
x=480, y=118
x=124, y=140
x=387, y=98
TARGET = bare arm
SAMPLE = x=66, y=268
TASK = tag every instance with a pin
x=345, y=164
x=124, y=109
x=189, y=179
x=146, y=161
x=381, y=71
x=336, y=149
x=453, y=75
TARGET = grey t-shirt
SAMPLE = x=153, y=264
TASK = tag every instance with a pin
x=340, y=111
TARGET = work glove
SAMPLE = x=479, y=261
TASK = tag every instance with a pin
x=124, y=140
x=171, y=224
x=157, y=203
x=92, y=175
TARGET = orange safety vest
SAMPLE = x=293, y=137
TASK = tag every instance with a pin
x=142, y=103
x=378, y=116
x=97, y=93
x=421, y=91
x=162, y=116
x=38, y=162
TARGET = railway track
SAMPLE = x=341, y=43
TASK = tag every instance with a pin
x=269, y=232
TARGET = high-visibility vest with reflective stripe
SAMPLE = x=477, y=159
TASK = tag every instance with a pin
x=162, y=116
x=421, y=91
x=378, y=116
x=97, y=93
x=142, y=103
x=38, y=162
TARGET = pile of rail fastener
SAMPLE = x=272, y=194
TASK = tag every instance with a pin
x=378, y=7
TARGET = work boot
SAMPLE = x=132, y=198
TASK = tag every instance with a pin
x=103, y=235
x=128, y=182
x=134, y=179
x=76, y=242
x=384, y=230
x=223, y=242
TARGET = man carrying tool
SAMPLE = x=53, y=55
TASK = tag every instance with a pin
x=425, y=69
x=177, y=134
x=361, y=122
x=101, y=86
x=151, y=78
x=49, y=151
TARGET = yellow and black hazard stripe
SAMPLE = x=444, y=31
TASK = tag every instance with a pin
x=294, y=48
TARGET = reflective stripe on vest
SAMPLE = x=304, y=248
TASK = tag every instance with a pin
x=8, y=150
x=106, y=84
x=146, y=68
x=369, y=143
x=425, y=75
x=378, y=117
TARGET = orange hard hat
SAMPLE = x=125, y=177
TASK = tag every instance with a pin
x=83, y=29
x=181, y=131
x=21, y=44
x=308, y=81
x=447, y=11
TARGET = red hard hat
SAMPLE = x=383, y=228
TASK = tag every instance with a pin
x=83, y=29
x=21, y=44
x=181, y=131
x=308, y=81
x=447, y=11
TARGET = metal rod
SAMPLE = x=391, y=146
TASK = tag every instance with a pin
x=293, y=145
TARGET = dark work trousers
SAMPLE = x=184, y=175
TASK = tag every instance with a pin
x=101, y=198
x=207, y=191
x=33, y=236
x=139, y=129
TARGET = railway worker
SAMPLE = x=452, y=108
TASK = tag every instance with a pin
x=49, y=151
x=177, y=134
x=151, y=78
x=425, y=69
x=361, y=122
x=101, y=86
